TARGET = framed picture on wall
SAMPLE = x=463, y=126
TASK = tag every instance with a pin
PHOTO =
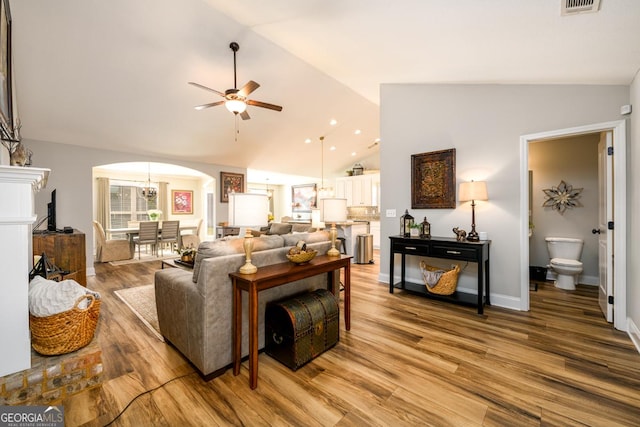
x=181, y=202
x=230, y=183
x=433, y=180
x=303, y=197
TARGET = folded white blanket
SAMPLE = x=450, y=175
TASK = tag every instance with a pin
x=47, y=297
x=432, y=277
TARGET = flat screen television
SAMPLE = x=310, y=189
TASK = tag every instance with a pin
x=51, y=213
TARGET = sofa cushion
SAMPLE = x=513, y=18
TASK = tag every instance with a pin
x=231, y=245
x=277, y=228
x=300, y=228
x=318, y=236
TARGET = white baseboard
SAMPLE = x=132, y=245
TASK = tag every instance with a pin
x=634, y=333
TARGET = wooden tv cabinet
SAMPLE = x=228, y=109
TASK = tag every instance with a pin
x=66, y=251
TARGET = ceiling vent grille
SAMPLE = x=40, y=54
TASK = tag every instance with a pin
x=574, y=7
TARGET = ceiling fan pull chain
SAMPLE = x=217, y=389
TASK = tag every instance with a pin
x=237, y=131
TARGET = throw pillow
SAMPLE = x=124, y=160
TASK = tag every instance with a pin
x=300, y=228
x=230, y=246
x=277, y=228
x=318, y=236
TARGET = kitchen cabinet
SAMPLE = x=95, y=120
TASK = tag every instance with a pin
x=374, y=229
x=361, y=190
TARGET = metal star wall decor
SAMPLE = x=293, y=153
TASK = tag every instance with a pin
x=562, y=197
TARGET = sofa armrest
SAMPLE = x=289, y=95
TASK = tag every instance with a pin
x=179, y=306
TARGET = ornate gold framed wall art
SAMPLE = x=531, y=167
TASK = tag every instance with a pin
x=433, y=180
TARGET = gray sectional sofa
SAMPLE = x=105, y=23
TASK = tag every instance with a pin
x=195, y=308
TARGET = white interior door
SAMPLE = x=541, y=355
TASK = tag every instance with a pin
x=605, y=214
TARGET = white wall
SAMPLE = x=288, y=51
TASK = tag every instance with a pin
x=72, y=176
x=575, y=161
x=483, y=123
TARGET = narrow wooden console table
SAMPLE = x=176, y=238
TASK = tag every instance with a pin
x=270, y=277
x=446, y=248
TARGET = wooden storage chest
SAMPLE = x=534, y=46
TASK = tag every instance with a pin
x=302, y=327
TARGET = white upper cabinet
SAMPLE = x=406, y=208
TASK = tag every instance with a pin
x=361, y=190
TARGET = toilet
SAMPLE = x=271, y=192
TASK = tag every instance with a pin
x=565, y=256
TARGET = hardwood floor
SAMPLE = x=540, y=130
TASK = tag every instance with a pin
x=406, y=361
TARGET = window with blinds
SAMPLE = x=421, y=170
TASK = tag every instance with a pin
x=128, y=204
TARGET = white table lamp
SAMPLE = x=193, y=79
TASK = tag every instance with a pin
x=333, y=210
x=315, y=219
x=474, y=190
x=248, y=210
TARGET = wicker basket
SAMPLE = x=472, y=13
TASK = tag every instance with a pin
x=447, y=283
x=301, y=258
x=67, y=331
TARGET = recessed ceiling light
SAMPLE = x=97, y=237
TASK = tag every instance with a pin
x=357, y=132
x=307, y=141
x=353, y=154
x=333, y=122
x=333, y=148
x=377, y=140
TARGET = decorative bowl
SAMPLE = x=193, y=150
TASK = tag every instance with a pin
x=303, y=257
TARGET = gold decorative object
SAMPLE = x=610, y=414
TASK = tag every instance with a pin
x=562, y=197
x=302, y=257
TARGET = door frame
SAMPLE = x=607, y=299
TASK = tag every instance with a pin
x=619, y=130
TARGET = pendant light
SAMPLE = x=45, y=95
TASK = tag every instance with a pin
x=149, y=193
x=323, y=192
x=269, y=191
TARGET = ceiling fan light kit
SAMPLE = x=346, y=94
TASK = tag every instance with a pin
x=236, y=100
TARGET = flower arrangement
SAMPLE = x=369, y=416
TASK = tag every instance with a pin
x=187, y=254
x=154, y=214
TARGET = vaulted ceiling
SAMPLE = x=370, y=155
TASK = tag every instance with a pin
x=114, y=74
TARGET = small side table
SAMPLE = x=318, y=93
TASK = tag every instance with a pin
x=275, y=275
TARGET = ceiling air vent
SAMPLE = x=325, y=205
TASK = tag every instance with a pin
x=573, y=7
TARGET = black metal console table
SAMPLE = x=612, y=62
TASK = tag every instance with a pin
x=447, y=248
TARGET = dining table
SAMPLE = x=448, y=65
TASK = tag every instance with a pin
x=131, y=232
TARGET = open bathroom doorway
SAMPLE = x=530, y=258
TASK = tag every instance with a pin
x=615, y=276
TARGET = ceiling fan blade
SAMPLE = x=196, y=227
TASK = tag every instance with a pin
x=248, y=88
x=245, y=115
x=264, y=105
x=206, y=88
x=211, y=104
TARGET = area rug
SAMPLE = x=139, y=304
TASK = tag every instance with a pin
x=144, y=258
x=142, y=301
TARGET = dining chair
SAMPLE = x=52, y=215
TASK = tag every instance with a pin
x=110, y=249
x=191, y=240
x=148, y=235
x=170, y=234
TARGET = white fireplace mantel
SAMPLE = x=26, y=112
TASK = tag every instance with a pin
x=17, y=188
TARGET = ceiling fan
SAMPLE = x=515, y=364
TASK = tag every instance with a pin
x=236, y=99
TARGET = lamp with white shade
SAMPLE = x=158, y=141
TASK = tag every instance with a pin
x=472, y=191
x=333, y=210
x=315, y=219
x=248, y=210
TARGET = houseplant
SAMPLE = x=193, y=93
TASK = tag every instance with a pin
x=154, y=214
x=187, y=254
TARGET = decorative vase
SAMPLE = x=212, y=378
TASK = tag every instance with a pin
x=19, y=155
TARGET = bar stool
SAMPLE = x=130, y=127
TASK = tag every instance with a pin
x=343, y=245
